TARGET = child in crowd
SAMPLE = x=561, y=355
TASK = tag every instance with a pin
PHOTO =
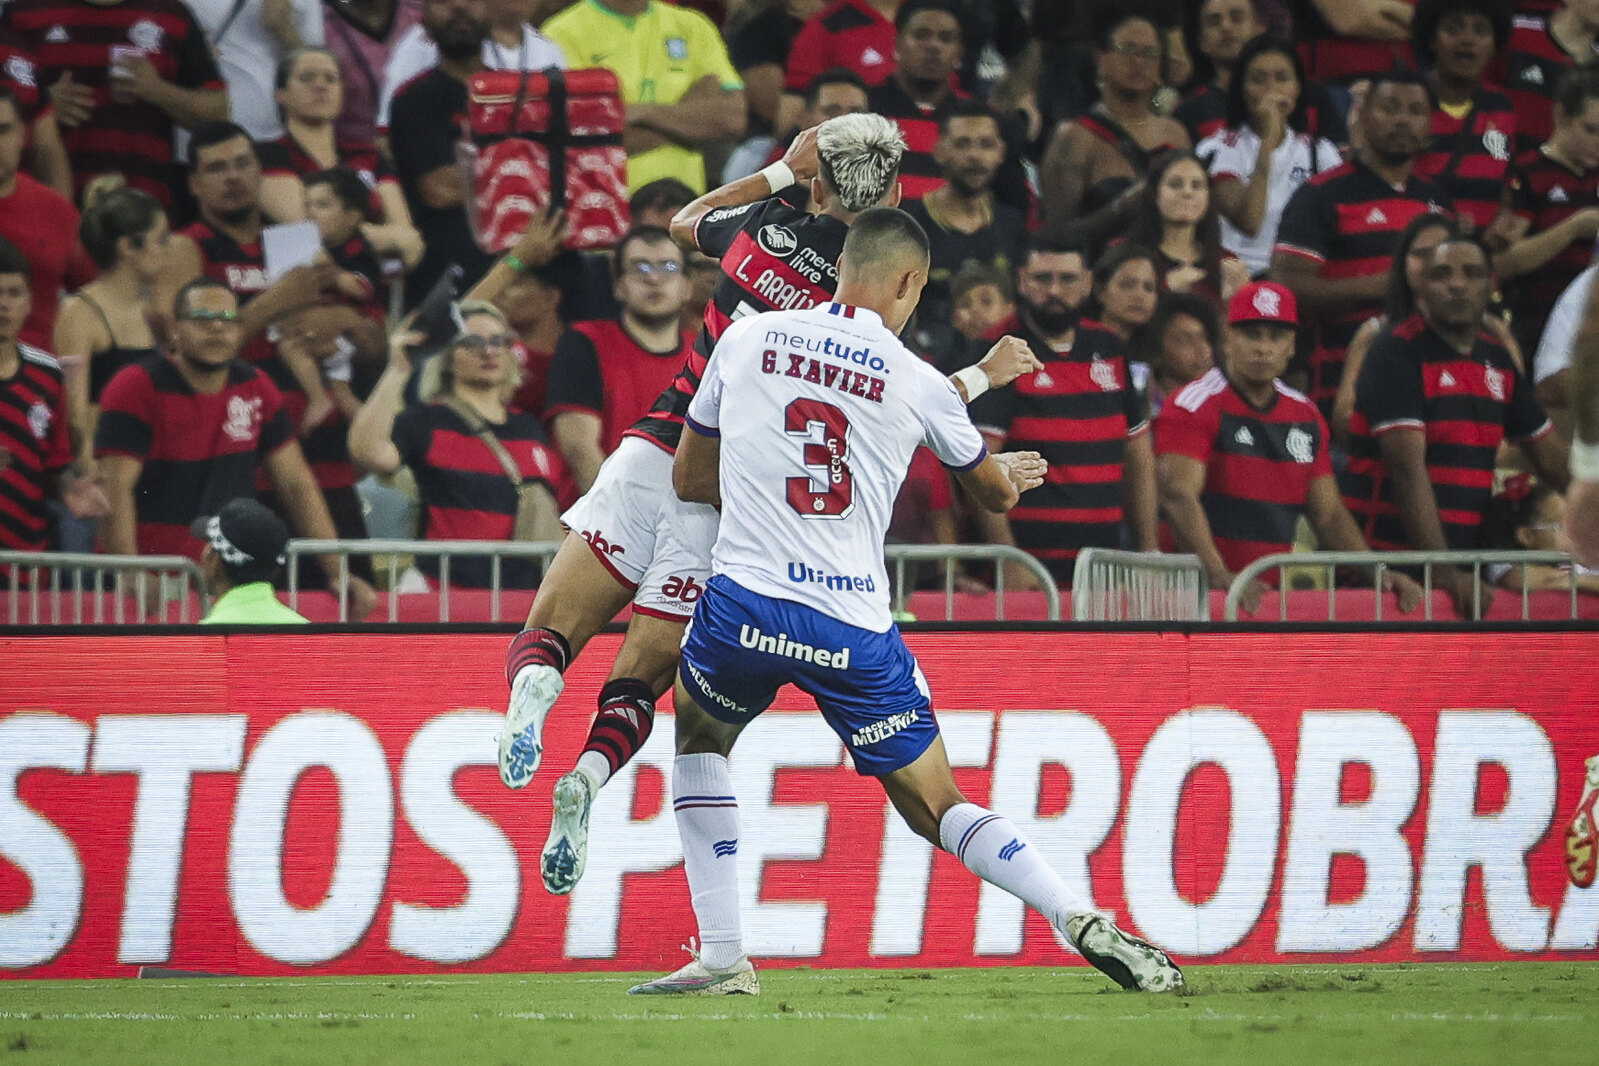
x=981, y=299
x=336, y=200
x=1528, y=515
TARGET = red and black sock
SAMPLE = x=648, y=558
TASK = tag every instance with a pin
x=535, y=646
x=627, y=714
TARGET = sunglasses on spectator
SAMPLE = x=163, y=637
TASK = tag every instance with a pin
x=202, y=315
x=473, y=342
x=1148, y=52
x=645, y=268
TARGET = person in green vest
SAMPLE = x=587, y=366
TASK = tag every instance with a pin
x=245, y=543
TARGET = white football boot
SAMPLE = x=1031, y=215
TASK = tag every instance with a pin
x=533, y=693
x=697, y=979
x=1127, y=960
x=567, y=849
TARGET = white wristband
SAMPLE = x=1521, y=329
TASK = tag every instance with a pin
x=778, y=175
x=975, y=380
x=1584, y=461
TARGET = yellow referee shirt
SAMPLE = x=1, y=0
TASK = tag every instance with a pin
x=657, y=57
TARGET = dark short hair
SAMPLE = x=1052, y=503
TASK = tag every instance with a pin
x=1117, y=256
x=832, y=76
x=347, y=187
x=968, y=109
x=911, y=8
x=1429, y=13
x=974, y=274
x=12, y=261
x=877, y=230
x=1038, y=242
x=1109, y=18
x=647, y=235
x=1400, y=76
x=658, y=194
x=211, y=134
x=1575, y=87
x=287, y=64
x=181, y=300
x=1171, y=305
x=1475, y=239
x=1257, y=46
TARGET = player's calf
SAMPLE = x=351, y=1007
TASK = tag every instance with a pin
x=533, y=665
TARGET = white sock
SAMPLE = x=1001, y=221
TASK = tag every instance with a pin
x=707, y=822
x=592, y=765
x=990, y=846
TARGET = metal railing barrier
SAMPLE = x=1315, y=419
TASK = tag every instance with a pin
x=1378, y=563
x=1119, y=586
x=72, y=588
x=899, y=556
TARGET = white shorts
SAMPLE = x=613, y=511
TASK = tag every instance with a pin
x=650, y=541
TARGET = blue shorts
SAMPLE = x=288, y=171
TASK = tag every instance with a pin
x=741, y=647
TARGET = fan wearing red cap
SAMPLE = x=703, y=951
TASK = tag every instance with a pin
x=1242, y=456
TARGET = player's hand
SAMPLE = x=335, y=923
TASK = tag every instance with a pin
x=1007, y=360
x=801, y=156
x=546, y=232
x=71, y=102
x=1025, y=470
x=1406, y=589
x=1582, y=521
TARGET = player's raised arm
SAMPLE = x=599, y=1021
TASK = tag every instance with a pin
x=798, y=164
x=998, y=481
x=1007, y=360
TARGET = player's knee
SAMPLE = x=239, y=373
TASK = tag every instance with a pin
x=697, y=733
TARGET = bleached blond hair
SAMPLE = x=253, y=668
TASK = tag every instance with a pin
x=859, y=156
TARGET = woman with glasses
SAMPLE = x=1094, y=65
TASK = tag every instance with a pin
x=462, y=444
x=310, y=93
x=1095, y=167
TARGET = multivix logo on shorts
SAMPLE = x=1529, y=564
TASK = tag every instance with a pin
x=751, y=637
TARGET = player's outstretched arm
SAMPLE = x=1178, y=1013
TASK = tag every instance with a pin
x=696, y=470
x=998, y=481
x=797, y=165
x=1007, y=360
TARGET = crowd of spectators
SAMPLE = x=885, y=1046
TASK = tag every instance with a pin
x=1294, y=267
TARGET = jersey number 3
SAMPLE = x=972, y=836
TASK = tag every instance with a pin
x=824, y=428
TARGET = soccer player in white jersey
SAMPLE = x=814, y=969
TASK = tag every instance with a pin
x=630, y=538
x=802, y=431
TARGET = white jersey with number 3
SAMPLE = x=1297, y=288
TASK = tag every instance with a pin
x=818, y=412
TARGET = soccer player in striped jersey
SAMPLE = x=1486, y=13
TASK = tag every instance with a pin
x=1242, y=456
x=802, y=432
x=630, y=538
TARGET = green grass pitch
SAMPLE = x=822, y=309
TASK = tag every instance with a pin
x=1237, y=1015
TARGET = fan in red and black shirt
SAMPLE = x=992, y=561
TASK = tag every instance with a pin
x=1339, y=230
x=1081, y=412
x=1243, y=456
x=1474, y=124
x=857, y=35
x=35, y=453
x=1437, y=395
x=180, y=437
x=1554, y=194
x=1541, y=49
x=139, y=69
x=20, y=74
x=1342, y=43
x=606, y=374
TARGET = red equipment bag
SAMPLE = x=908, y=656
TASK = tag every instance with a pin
x=543, y=135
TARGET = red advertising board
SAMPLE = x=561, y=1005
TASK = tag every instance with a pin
x=289, y=803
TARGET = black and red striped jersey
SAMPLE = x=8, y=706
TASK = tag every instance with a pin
x=33, y=436
x=1529, y=68
x=600, y=369
x=1348, y=221
x=127, y=137
x=1259, y=462
x=1470, y=155
x=242, y=268
x=1077, y=412
x=774, y=257
x=464, y=489
x=1203, y=111
x=846, y=33
x=1545, y=193
x=918, y=171
x=286, y=157
x=1332, y=58
x=1466, y=405
x=20, y=73
x=199, y=450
